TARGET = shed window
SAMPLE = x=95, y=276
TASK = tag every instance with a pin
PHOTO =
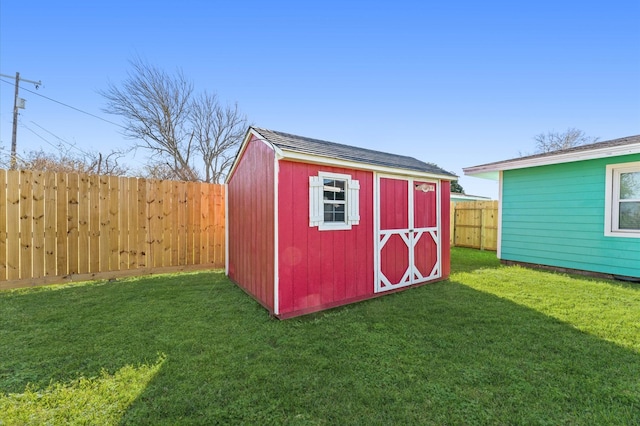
x=622, y=215
x=333, y=201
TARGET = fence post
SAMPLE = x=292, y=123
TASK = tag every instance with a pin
x=482, y=227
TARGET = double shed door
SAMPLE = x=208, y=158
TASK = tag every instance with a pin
x=407, y=232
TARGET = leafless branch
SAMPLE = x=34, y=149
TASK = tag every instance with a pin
x=186, y=136
x=554, y=141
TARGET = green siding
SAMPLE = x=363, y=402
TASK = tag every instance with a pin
x=554, y=215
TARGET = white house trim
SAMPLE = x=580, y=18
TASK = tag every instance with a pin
x=226, y=230
x=612, y=187
x=499, y=248
x=276, y=273
x=490, y=171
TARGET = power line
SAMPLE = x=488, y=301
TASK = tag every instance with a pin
x=60, y=139
x=40, y=136
x=68, y=106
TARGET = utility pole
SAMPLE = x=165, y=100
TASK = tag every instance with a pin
x=17, y=103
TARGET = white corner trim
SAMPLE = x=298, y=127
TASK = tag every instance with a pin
x=276, y=273
x=500, y=197
x=226, y=229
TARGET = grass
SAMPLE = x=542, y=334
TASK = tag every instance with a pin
x=492, y=345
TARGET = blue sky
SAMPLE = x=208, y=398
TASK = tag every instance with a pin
x=454, y=83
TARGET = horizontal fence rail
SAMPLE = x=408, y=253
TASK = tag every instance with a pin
x=57, y=227
x=474, y=224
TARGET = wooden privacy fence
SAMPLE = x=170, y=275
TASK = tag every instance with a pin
x=57, y=227
x=475, y=224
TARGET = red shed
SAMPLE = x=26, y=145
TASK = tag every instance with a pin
x=313, y=224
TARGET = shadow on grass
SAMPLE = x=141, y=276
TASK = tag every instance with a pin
x=436, y=354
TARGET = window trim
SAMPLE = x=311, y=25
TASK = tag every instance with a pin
x=316, y=202
x=612, y=200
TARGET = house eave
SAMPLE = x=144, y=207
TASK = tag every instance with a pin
x=490, y=171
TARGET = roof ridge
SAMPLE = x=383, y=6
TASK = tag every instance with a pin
x=328, y=149
x=331, y=142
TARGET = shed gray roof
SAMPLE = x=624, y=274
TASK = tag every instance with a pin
x=301, y=144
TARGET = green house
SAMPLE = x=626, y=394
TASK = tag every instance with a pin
x=573, y=209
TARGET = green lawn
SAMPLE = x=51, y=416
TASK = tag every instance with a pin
x=492, y=345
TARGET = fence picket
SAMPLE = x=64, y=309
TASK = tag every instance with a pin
x=219, y=224
x=38, y=225
x=182, y=223
x=50, y=221
x=123, y=213
x=197, y=222
x=26, y=224
x=72, y=222
x=166, y=223
x=175, y=228
x=114, y=226
x=3, y=225
x=13, y=225
x=83, y=224
x=132, y=219
x=94, y=223
x=61, y=224
x=142, y=246
x=190, y=215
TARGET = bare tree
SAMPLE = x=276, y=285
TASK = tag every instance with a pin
x=553, y=141
x=217, y=131
x=187, y=137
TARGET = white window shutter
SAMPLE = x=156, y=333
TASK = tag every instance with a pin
x=316, y=206
x=353, y=203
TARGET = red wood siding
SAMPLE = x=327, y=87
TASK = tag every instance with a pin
x=394, y=204
x=251, y=223
x=424, y=206
x=320, y=269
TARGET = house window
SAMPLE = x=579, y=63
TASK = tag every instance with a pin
x=622, y=214
x=333, y=201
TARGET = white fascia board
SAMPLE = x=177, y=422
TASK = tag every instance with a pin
x=489, y=171
x=337, y=162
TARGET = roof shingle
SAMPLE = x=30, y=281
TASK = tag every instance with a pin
x=301, y=144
